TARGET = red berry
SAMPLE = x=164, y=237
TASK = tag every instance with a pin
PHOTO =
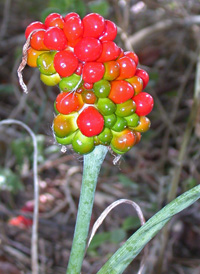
x=93, y=72
x=88, y=85
x=94, y=25
x=54, y=39
x=90, y=122
x=67, y=102
x=132, y=55
x=73, y=28
x=37, y=40
x=127, y=68
x=88, y=49
x=57, y=22
x=121, y=91
x=110, y=52
x=51, y=17
x=79, y=69
x=110, y=31
x=144, y=103
x=143, y=75
x=65, y=63
x=34, y=26
x=70, y=15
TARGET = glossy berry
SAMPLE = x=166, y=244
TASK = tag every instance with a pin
x=132, y=120
x=127, y=67
x=79, y=69
x=112, y=70
x=93, y=72
x=143, y=125
x=73, y=28
x=51, y=17
x=110, y=31
x=65, y=63
x=143, y=75
x=121, y=91
x=123, y=141
x=90, y=122
x=66, y=140
x=133, y=56
x=94, y=25
x=82, y=144
x=144, y=103
x=34, y=26
x=50, y=80
x=106, y=106
x=105, y=136
x=32, y=56
x=102, y=88
x=67, y=102
x=45, y=62
x=54, y=39
x=37, y=40
x=88, y=85
x=137, y=84
x=110, y=120
x=64, y=125
x=110, y=52
x=57, y=22
x=70, y=83
x=88, y=96
x=120, y=124
x=88, y=49
x=70, y=15
x=125, y=109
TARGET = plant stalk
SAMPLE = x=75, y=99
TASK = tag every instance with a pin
x=91, y=168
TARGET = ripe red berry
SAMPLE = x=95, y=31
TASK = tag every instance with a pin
x=57, y=22
x=90, y=122
x=93, y=72
x=88, y=49
x=73, y=28
x=70, y=15
x=110, y=31
x=127, y=67
x=133, y=56
x=37, y=40
x=65, y=63
x=67, y=102
x=110, y=52
x=94, y=25
x=34, y=26
x=143, y=75
x=88, y=85
x=55, y=39
x=144, y=103
x=51, y=17
x=79, y=69
x=121, y=91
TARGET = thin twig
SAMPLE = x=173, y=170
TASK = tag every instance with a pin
x=34, y=239
x=104, y=214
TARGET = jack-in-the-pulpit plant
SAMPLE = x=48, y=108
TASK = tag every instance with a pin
x=101, y=103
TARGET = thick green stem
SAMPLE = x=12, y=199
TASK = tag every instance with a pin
x=91, y=168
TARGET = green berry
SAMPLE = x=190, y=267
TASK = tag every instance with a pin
x=110, y=120
x=105, y=136
x=45, y=63
x=50, y=80
x=126, y=108
x=82, y=144
x=132, y=120
x=66, y=140
x=120, y=124
x=65, y=125
x=102, y=88
x=106, y=106
x=70, y=83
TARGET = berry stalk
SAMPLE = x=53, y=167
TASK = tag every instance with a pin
x=91, y=168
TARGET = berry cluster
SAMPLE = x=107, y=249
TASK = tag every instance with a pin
x=101, y=99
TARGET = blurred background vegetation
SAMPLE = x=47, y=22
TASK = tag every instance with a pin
x=166, y=37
